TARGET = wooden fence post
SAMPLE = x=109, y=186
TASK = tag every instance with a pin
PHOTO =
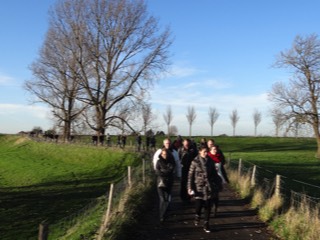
x=253, y=176
x=278, y=185
x=107, y=215
x=43, y=230
x=228, y=160
x=143, y=171
x=239, y=167
x=129, y=177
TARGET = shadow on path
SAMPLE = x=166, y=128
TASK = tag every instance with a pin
x=234, y=220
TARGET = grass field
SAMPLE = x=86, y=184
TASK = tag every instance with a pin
x=292, y=157
x=41, y=181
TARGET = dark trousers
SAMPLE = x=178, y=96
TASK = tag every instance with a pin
x=207, y=205
x=164, y=201
x=183, y=186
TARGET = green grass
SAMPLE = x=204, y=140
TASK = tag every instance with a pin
x=41, y=181
x=287, y=156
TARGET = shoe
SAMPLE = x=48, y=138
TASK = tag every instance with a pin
x=196, y=220
x=206, y=227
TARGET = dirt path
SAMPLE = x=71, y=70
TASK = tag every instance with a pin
x=234, y=220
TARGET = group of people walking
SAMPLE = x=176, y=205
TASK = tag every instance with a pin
x=200, y=172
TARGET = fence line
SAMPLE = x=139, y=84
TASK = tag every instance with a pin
x=294, y=192
x=107, y=203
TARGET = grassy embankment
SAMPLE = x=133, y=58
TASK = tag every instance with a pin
x=41, y=181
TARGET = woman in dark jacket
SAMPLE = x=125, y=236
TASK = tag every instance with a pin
x=204, y=184
x=165, y=167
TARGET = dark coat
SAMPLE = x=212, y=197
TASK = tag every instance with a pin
x=203, y=179
x=165, y=171
x=186, y=156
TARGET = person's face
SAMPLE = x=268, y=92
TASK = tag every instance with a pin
x=210, y=144
x=166, y=144
x=186, y=144
x=203, y=153
x=213, y=150
x=164, y=154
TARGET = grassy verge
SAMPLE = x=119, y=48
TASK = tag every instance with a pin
x=296, y=223
x=41, y=181
x=123, y=225
x=302, y=223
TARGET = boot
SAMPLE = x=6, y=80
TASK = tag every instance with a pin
x=196, y=220
x=206, y=227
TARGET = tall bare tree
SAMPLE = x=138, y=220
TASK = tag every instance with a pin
x=147, y=116
x=191, y=117
x=299, y=99
x=257, y=117
x=167, y=117
x=213, y=116
x=119, y=49
x=234, y=117
x=56, y=81
x=278, y=120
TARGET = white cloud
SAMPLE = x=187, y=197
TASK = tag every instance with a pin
x=5, y=80
x=17, y=117
x=12, y=109
x=182, y=71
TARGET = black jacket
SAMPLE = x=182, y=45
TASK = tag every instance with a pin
x=165, y=170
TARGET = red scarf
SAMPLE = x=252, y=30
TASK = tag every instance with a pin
x=216, y=158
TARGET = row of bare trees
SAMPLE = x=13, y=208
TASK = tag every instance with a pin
x=97, y=62
x=213, y=115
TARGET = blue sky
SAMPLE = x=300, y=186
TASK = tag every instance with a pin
x=221, y=57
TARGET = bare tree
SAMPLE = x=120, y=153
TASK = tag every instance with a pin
x=299, y=99
x=191, y=117
x=173, y=130
x=119, y=50
x=55, y=81
x=234, y=117
x=213, y=116
x=278, y=120
x=168, y=116
x=147, y=116
x=256, y=120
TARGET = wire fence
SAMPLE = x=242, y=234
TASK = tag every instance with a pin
x=294, y=192
x=97, y=211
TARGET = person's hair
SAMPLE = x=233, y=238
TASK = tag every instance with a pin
x=166, y=140
x=201, y=148
x=211, y=139
x=214, y=146
x=187, y=139
x=164, y=150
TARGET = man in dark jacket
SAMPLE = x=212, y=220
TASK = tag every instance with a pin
x=186, y=155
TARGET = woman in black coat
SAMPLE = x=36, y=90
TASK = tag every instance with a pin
x=165, y=169
x=204, y=184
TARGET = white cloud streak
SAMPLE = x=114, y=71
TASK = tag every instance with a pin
x=6, y=80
